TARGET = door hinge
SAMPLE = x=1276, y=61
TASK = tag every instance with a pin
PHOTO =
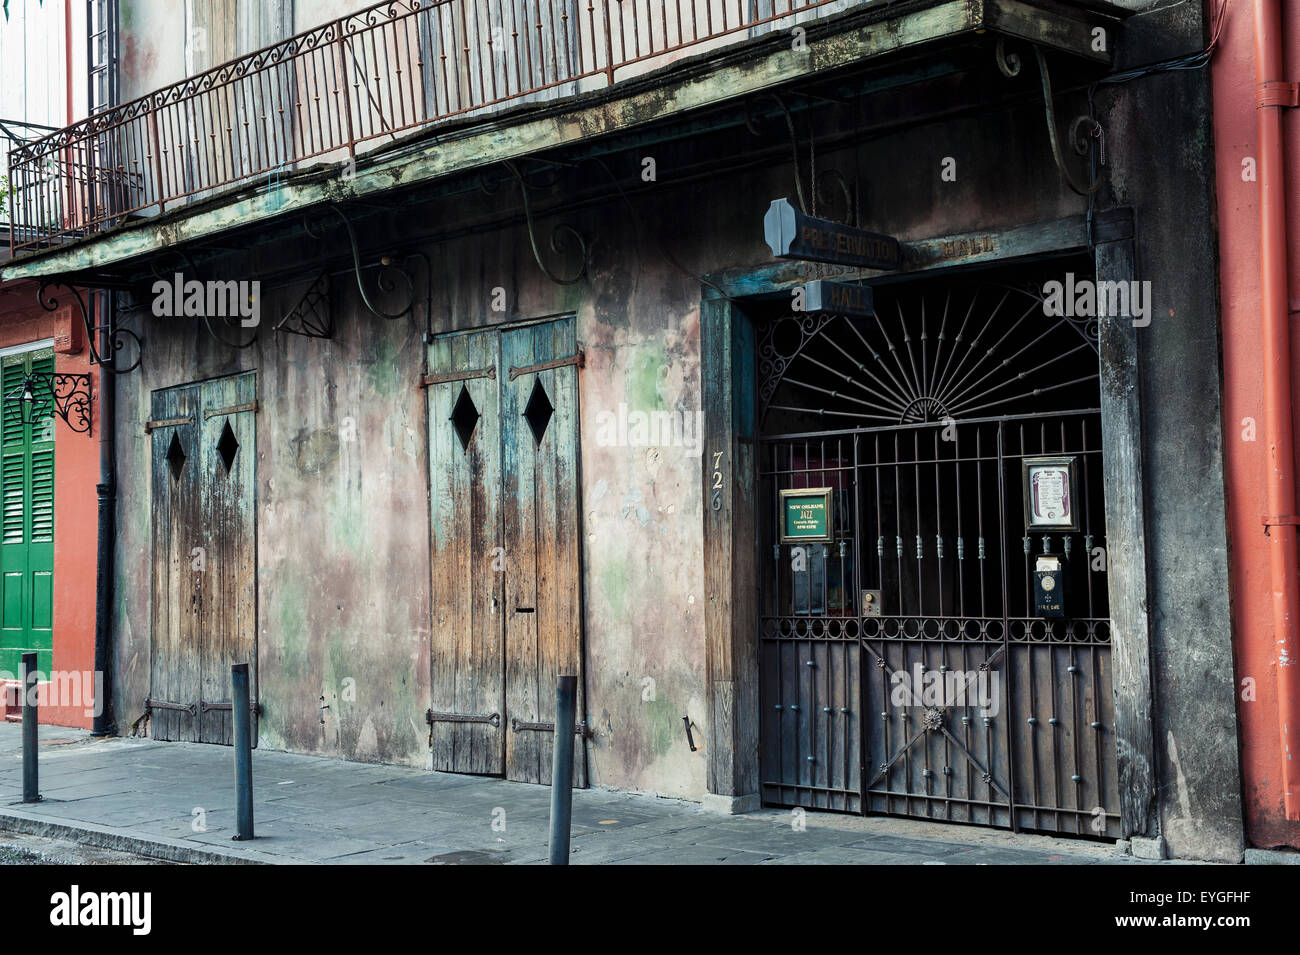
x=233, y=409
x=442, y=377
x=580, y=359
x=431, y=717
x=581, y=729
x=190, y=708
x=254, y=707
x=166, y=423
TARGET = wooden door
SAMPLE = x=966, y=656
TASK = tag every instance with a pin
x=503, y=476
x=178, y=590
x=543, y=619
x=204, y=551
x=229, y=617
x=27, y=525
x=467, y=677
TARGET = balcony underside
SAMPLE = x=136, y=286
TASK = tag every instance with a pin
x=865, y=51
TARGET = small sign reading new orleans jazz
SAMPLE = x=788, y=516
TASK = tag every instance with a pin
x=792, y=235
x=1049, y=494
x=806, y=515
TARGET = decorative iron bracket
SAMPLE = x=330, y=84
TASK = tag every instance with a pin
x=68, y=394
x=311, y=317
x=1009, y=65
x=384, y=283
x=193, y=272
x=558, y=242
x=116, y=336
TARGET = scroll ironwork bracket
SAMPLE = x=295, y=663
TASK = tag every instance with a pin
x=384, y=283
x=192, y=270
x=67, y=395
x=1081, y=128
x=558, y=242
x=117, y=336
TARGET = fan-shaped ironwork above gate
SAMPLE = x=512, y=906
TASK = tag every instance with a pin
x=975, y=350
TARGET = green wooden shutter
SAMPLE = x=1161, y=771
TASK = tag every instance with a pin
x=26, y=523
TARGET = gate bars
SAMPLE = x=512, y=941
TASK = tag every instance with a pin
x=935, y=528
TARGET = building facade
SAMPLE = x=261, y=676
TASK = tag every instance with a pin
x=817, y=386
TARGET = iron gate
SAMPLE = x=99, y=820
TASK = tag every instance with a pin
x=905, y=666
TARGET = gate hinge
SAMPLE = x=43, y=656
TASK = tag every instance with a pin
x=580, y=728
x=1277, y=93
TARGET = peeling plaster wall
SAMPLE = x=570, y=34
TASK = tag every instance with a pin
x=342, y=553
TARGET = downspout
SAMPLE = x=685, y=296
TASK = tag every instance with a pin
x=106, y=491
x=1272, y=95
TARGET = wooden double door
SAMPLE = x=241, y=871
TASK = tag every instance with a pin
x=204, y=556
x=504, y=490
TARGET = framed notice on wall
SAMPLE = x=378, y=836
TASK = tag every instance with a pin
x=1051, y=501
x=806, y=515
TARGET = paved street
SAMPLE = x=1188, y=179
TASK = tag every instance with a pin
x=175, y=801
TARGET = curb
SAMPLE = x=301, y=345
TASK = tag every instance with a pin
x=163, y=849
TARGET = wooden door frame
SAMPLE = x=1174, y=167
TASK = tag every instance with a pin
x=728, y=370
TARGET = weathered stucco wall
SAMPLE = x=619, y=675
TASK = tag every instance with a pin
x=343, y=546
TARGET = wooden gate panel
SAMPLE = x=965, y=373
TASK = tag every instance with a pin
x=467, y=676
x=812, y=720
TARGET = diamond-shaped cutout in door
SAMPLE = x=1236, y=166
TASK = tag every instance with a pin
x=538, y=412
x=227, y=446
x=464, y=418
x=175, y=457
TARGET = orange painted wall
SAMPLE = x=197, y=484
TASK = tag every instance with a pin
x=1245, y=460
x=76, y=472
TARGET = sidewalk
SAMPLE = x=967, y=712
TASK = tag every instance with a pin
x=152, y=798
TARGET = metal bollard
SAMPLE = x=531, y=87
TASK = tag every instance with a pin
x=31, y=782
x=241, y=716
x=566, y=711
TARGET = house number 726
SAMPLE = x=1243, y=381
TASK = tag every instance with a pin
x=715, y=480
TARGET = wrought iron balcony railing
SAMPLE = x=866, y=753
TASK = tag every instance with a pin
x=391, y=68
x=14, y=133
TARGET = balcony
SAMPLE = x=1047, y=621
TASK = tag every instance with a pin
x=349, y=85
x=14, y=134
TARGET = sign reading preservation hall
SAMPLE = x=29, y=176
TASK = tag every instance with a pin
x=792, y=235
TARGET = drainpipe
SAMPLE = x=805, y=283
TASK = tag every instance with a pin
x=106, y=491
x=1272, y=95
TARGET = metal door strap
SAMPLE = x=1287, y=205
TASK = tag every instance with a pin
x=580, y=359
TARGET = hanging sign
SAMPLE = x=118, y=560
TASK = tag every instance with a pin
x=1049, y=494
x=792, y=235
x=839, y=298
x=806, y=514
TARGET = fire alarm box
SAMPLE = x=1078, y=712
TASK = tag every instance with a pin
x=1049, y=588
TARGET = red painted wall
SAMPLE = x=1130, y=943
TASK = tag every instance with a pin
x=76, y=472
x=1233, y=71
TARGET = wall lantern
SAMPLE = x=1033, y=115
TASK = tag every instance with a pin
x=41, y=393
